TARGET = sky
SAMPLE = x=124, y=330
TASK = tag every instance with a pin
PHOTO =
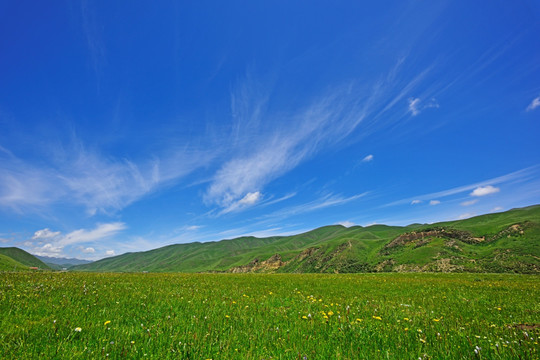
x=127, y=126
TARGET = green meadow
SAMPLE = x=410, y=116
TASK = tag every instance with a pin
x=269, y=316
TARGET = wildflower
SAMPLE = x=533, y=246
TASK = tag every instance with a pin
x=423, y=341
x=304, y=317
x=436, y=320
x=377, y=317
x=406, y=329
x=406, y=319
x=78, y=329
x=107, y=322
x=132, y=342
x=227, y=316
x=359, y=320
x=499, y=309
x=330, y=313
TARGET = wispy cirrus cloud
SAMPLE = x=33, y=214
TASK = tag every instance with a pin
x=534, y=104
x=276, y=142
x=80, y=176
x=482, y=187
x=325, y=201
x=416, y=105
x=368, y=158
x=469, y=202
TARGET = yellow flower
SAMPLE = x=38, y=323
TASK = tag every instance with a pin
x=78, y=329
x=406, y=319
x=437, y=320
x=499, y=309
x=359, y=320
x=227, y=316
x=132, y=342
x=304, y=317
x=422, y=340
x=406, y=329
x=377, y=317
x=330, y=313
x=107, y=322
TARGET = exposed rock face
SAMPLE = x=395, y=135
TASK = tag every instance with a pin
x=433, y=233
x=270, y=265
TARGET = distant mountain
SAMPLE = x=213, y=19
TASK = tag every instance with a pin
x=498, y=242
x=23, y=258
x=62, y=262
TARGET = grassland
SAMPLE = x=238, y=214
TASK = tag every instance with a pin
x=269, y=316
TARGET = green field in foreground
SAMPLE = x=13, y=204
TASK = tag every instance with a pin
x=278, y=316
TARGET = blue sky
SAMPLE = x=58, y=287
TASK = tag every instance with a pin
x=130, y=126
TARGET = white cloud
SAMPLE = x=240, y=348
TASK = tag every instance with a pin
x=250, y=198
x=368, y=158
x=45, y=234
x=193, y=227
x=485, y=190
x=534, y=104
x=469, y=202
x=413, y=106
x=48, y=250
x=53, y=243
x=434, y=202
x=466, y=216
x=109, y=252
x=102, y=231
x=496, y=208
x=416, y=201
x=347, y=223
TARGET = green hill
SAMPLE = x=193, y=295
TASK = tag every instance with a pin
x=22, y=257
x=8, y=264
x=501, y=242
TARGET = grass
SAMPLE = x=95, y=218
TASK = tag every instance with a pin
x=269, y=316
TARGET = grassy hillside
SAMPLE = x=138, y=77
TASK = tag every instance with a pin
x=23, y=257
x=8, y=264
x=502, y=242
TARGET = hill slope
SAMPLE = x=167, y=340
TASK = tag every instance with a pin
x=8, y=264
x=23, y=257
x=501, y=242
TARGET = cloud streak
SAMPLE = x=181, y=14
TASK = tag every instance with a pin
x=520, y=175
x=534, y=104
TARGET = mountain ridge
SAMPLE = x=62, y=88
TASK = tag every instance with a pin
x=444, y=246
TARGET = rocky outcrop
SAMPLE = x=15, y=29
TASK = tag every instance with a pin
x=269, y=265
x=419, y=237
